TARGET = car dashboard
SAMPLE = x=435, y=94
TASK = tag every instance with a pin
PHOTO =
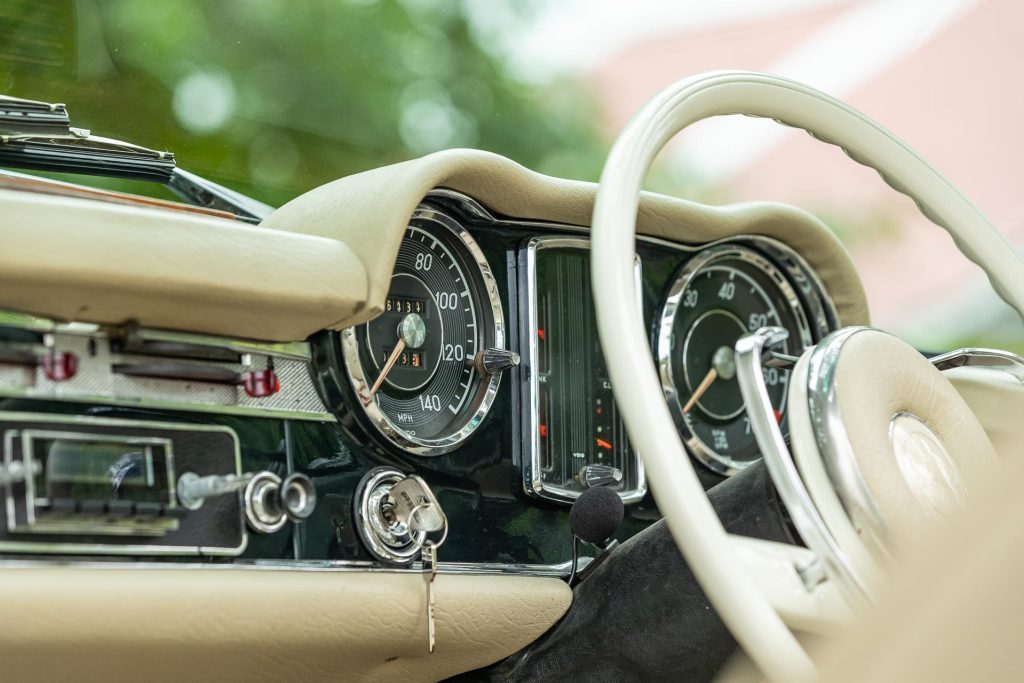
x=464, y=368
x=505, y=450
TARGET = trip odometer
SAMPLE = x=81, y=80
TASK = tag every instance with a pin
x=426, y=369
x=718, y=296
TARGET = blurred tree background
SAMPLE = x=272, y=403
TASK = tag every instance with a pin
x=272, y=97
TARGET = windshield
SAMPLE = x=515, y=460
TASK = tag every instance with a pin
x=272, y=98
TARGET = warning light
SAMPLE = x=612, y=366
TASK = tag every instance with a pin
x=544, y=431
x=604, y=444
x=540, y=333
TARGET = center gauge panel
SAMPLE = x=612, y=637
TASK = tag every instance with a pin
x=574, y=436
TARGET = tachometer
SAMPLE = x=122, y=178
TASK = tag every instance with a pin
x=427, y=369
x=718, y=296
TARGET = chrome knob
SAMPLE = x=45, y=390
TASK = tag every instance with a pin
x=262, y=501
x=193, y=490
x=492, y=361
x=599, y=475
x=16, y=472
x=269, y=502
x=298, y=496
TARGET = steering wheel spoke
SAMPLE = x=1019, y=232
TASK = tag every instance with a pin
x=794, y=580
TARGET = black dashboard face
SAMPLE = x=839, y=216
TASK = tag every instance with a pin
x=566, y=430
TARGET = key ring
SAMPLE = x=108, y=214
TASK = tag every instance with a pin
x=444, y=518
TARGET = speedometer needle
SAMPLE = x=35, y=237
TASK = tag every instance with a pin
x=399, y=347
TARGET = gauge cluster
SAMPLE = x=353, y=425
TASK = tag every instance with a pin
x=436, y=374
x=417, y=369
x=574, y=437
x=721, y=294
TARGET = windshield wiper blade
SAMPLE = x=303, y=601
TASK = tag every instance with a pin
x=29, y=116
x=80, y=152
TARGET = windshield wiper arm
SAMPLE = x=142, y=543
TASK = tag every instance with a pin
x=38, y=136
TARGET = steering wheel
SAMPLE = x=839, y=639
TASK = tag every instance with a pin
x=852, y=429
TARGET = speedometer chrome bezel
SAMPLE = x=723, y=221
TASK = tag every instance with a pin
x=361, y=383
x=745, y=249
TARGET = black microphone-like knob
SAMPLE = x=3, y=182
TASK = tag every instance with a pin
x=596, y=515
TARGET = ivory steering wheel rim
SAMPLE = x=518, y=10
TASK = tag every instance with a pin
x=695, y=527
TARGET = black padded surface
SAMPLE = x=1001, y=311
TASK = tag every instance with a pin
x=641, y=615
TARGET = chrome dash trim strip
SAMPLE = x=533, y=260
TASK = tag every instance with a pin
x=560, y=570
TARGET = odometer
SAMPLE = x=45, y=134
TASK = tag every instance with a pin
x=417, y=369
x=720, y=295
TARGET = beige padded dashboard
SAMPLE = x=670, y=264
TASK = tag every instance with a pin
x=148, y=624
x=369, y=212
x=324, y=260
x=81, y=260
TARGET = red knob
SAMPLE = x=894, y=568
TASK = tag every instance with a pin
x=59, y=365
x=261, y=383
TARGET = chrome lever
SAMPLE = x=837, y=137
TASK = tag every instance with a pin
x=994, y=359
x=751, y=351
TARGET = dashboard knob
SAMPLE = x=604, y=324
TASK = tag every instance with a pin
x=599, y=475
x=16, y=472
x=193, y=490
x=492, y=361
x=298, y=496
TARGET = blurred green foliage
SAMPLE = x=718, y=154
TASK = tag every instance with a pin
x=273, y=97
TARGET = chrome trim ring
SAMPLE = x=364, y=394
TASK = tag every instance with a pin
x=721, y=251
x=262, y=512
x=488, y=386
x=382, y=542
x=993, y=359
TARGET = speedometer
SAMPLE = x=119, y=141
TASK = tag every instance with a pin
x=718, y=296
x=426, y=370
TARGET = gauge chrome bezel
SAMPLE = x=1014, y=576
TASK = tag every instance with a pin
x=533, y=484
x=743, y=249
x=488, y=384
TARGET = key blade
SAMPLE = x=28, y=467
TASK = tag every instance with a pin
x=430, y=572
x=416, y=505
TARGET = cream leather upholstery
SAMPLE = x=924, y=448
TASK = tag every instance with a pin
x=324, y=260
x=878, y=377
x=262, y=625
x=369, y=213
x=954, y=610
x=997, y=399
x=81, y=260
